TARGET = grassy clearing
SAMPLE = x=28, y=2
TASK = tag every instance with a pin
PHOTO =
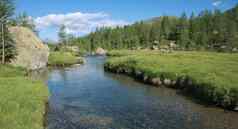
x=212, y=77
x=63, y=59
x=22, y=101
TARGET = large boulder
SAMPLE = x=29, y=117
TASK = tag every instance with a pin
x=101, y=51
x=234, y=50
x=32, y=54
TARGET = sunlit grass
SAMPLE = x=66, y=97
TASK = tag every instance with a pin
x=10, y=71
x=217, y=71
x=63, y=59
x=22, y=101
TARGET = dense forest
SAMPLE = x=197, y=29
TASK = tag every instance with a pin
x=209, y=30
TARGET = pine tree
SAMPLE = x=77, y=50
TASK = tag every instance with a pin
x=7, y=48
x=183, y=32
x=192, y=30
x=155, y=33
x=231, y=37
x=165, y=27
x=218, y=33
x=62, y=35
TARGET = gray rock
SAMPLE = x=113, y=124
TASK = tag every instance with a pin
x=167, y=82
x=155, y=47
x=32, y=54
x=223, y=47
x=174, y=82
x=156, y=81
x=234, y=50
x=236, y=108
x=145, y=78
x=100, y=51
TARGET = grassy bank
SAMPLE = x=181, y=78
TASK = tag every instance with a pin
x=63, y=59
x=22, y=101
x=211, y=77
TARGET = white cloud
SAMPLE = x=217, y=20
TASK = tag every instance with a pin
x=77, y=23
x=217, y=3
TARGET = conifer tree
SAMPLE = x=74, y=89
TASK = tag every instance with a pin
x=7, y=47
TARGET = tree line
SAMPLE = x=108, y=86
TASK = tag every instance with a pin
x=209, y=30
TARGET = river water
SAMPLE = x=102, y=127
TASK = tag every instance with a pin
x=86, y=97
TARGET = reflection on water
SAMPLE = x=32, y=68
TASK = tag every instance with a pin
x=86, y=97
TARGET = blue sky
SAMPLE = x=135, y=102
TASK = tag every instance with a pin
x=83, y=16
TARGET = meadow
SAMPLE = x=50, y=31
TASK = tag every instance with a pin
x=209, y=76
x=22, y=100
x=63, y=59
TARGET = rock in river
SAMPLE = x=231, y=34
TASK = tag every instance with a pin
x=156, y=81
x=32, y=54
x=101, y=51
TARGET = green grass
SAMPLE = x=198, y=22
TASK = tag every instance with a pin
x=22, y=101
x=214, y=75
x=63, y=59
x=10, y=71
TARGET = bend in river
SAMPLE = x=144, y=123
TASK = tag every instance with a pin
x=86, y=97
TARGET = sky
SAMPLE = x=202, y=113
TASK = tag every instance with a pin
x=83, y=16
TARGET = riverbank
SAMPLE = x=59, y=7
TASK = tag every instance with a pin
x=22, y=100
x=210, y=77
x=61, y=59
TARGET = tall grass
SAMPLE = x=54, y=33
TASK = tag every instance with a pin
x=212, y=77
x=22, y=101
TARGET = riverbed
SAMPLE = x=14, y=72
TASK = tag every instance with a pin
x=86, y=97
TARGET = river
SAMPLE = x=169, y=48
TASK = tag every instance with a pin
x=86, y=97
